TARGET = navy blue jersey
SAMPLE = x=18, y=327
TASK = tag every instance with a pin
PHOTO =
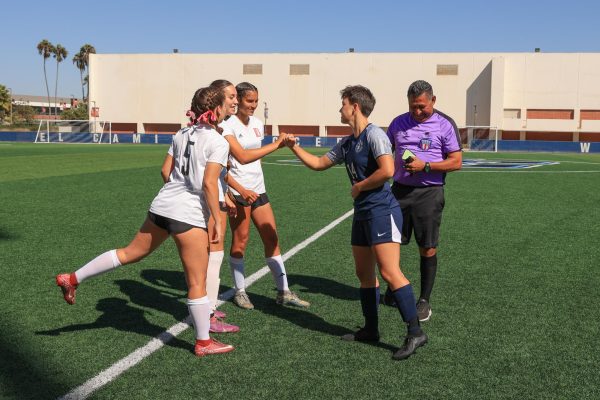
x=360, y=156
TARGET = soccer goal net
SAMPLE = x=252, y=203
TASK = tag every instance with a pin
x=479, y=138
x=73, y=131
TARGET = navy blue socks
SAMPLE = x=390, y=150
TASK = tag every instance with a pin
x=369, y=300
x=405, y=300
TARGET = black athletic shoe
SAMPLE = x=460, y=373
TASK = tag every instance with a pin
x=361, y=335
x=411, y=344
x=388, y=298
x=423, y=310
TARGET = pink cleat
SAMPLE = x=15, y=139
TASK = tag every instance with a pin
x=219, y=326
x=219, y=314
x=68, y=289
x=214, y=347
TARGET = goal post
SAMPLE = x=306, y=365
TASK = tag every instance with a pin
x=479, y=138
x=73, y=131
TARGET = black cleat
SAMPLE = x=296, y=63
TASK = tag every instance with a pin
x=423, y=310
x=411, y=344
x=361, y=335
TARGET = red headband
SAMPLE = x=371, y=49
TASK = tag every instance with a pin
x=209, y=117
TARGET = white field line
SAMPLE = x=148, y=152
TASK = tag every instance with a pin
x=112, y=372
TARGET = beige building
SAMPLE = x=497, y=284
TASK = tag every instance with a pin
x=533, y=96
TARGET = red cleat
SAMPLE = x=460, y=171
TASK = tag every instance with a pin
x=214, y=347
x=219, y=314
x=217, y=325
x=68, y=289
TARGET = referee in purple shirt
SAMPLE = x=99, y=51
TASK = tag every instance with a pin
x=427, y=146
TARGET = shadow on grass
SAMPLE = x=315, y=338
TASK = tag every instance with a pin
x=153, y=298
x=328, y=287
x=120, y=315
x=6, y=235
x=304, y=318
x=167, y=279
x=23, y=375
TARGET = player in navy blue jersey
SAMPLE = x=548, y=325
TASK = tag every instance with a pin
x=367, y=154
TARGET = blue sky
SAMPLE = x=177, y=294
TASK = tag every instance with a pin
x=133, y=26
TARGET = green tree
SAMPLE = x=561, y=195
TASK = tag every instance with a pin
x=85, y=51
x=5, y=100
x=46, y=49
x=79, y=113
x=80, y=64
x=23, y=114
x=60, y=53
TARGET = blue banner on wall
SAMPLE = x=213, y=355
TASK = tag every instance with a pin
x=537, y=145
x=305, y=141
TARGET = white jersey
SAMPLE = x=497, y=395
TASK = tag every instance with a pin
x=250, y=136
x=182, y=198
x=222, y=183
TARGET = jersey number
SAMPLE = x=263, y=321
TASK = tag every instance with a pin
x=187, y=155
x=352, y=172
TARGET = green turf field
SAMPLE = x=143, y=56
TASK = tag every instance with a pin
x=515, y=310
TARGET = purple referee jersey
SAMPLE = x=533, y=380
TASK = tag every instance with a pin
x=430, y=141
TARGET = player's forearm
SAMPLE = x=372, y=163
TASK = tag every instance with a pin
x=165, y=175
x=310, y=160
x=167, y=168
x=377, y=179
x=452, y=163
x=235, y=185
x=247, y=156
x=211, y=193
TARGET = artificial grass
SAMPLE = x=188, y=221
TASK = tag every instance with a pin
x=513, y=305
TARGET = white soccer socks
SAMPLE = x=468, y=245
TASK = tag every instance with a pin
x=215, y=259
x=237, y=272
x=277, y=268
x=99, y=265
x=200, y=313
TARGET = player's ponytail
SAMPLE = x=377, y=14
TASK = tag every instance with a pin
x=204, y=106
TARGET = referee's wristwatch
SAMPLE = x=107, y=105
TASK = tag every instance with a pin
x=427, y=167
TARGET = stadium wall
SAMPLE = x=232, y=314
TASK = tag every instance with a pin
x=515, y=92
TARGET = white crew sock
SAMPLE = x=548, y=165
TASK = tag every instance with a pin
x=277, y=268
x=237, y=272
x=200, y=313
x=215, y=259
x=99, y=265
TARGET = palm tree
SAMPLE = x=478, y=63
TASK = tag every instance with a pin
x=85, y=51
x=5, y=102
x=80, y=64
x=60, y=53
x=45, y=49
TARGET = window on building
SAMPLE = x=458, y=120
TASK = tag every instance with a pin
x=512, y=113
x=252, y=69
x=299, y=69
x=447, y=69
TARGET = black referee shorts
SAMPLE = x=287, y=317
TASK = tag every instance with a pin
x=421, y=213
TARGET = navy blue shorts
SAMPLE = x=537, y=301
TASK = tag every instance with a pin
x=382, y=229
